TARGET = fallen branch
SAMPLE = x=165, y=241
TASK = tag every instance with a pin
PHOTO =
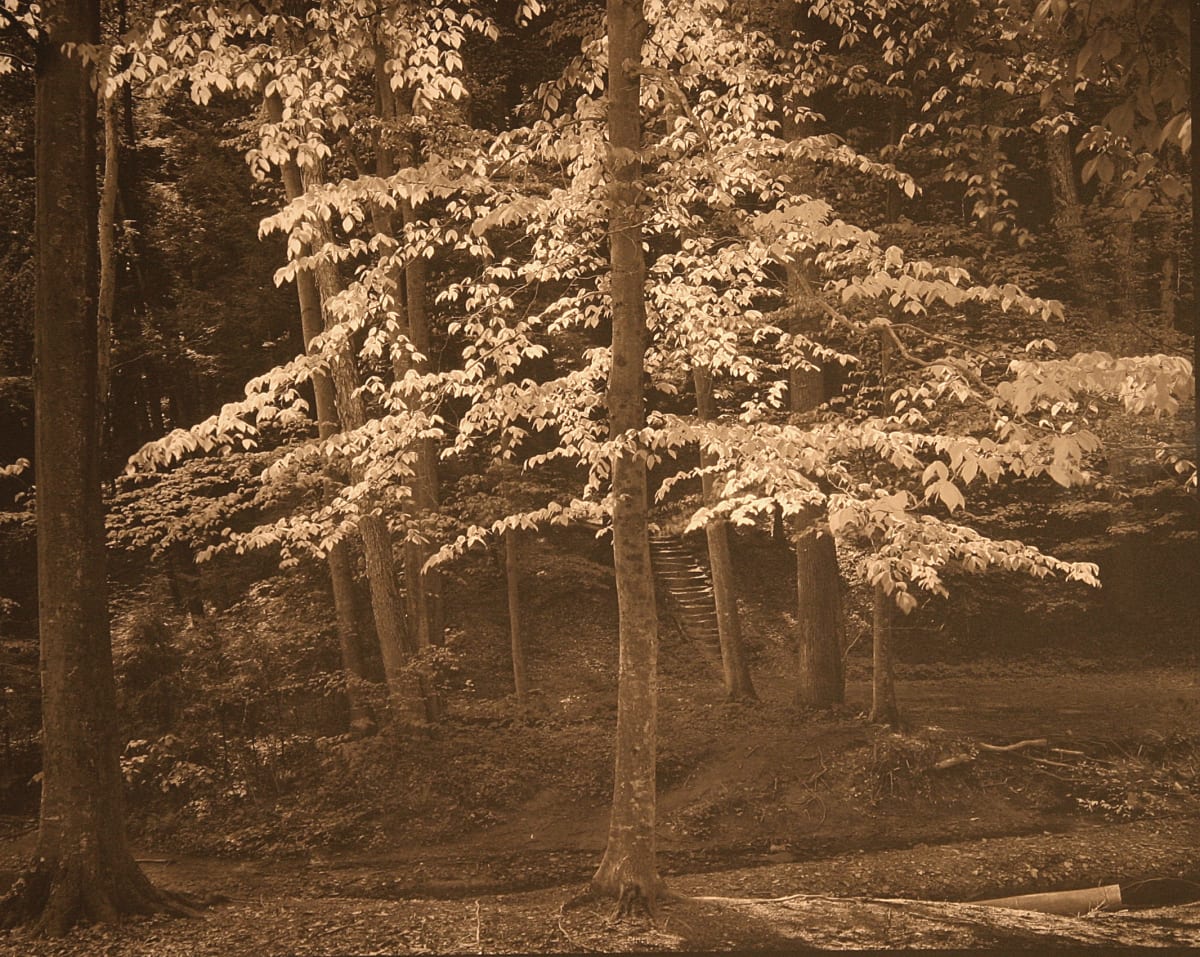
x=966, y=757
x=1053, y=764
x=1019, y=745
x=953, y=762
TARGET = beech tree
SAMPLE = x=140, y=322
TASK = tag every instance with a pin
x=83, y=868
x=655, y=192
x=303, y=66
x=629, y=870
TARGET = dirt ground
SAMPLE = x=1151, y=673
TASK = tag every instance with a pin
x=852, y=817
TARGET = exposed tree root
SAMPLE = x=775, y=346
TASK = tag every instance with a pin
x=634, y=898
x=50, y=900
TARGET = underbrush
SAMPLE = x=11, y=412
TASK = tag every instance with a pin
x=239, y=740
x=1125, y=781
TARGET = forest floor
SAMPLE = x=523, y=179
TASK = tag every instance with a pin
x=855, y=818
x=778, y=827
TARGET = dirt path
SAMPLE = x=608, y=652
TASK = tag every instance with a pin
x=783, y=804
x=860, y=900
x=999, y=701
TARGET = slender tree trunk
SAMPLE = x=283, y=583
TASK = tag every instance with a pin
x=820, y=682
x=1167, y=297
x=1077, y=246
x=83, y=868
x=883, y=682
x=1126, y=268
x=512, y=574
x=341, y=574
x=628, y=870
x=734, y=666
x=895, y=198
x=424, y=588
x=386, y=603
x=1194, y=102
x=425, y=585
x=883, y=611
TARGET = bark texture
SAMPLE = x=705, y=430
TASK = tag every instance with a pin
x=108, y=260
x=734, y=666
x=820, y=682
x=628, y=870
x=1068, y=222
x=387, y=604
x=512, y=575
x=883, y=681
x=341, y=573
x=1127, y=268
x=394, y=147
x=83, y=869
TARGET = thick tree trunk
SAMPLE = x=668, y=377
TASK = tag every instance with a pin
x=628, y=870
x=1077, y=246
x=108, y=263
x=883, y=682
x=512, y=575
x=734, y=666
x=83, y=868
x=820, y=681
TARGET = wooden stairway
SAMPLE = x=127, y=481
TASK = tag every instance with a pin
x=688, y=589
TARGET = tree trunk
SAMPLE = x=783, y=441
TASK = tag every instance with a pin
x=425, y=585
x=341, y=575
x=108, y=264
x=424, y=588
x=1170, y=268
x=1126, y=268
x=1195, y=316
x=734, y=667
x=883, y=681
x=512, y=573
x=895, y=198
x=628, y=870
x=821, y=683
x=387, y=605
x=1068, y=222
x=83, y=868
